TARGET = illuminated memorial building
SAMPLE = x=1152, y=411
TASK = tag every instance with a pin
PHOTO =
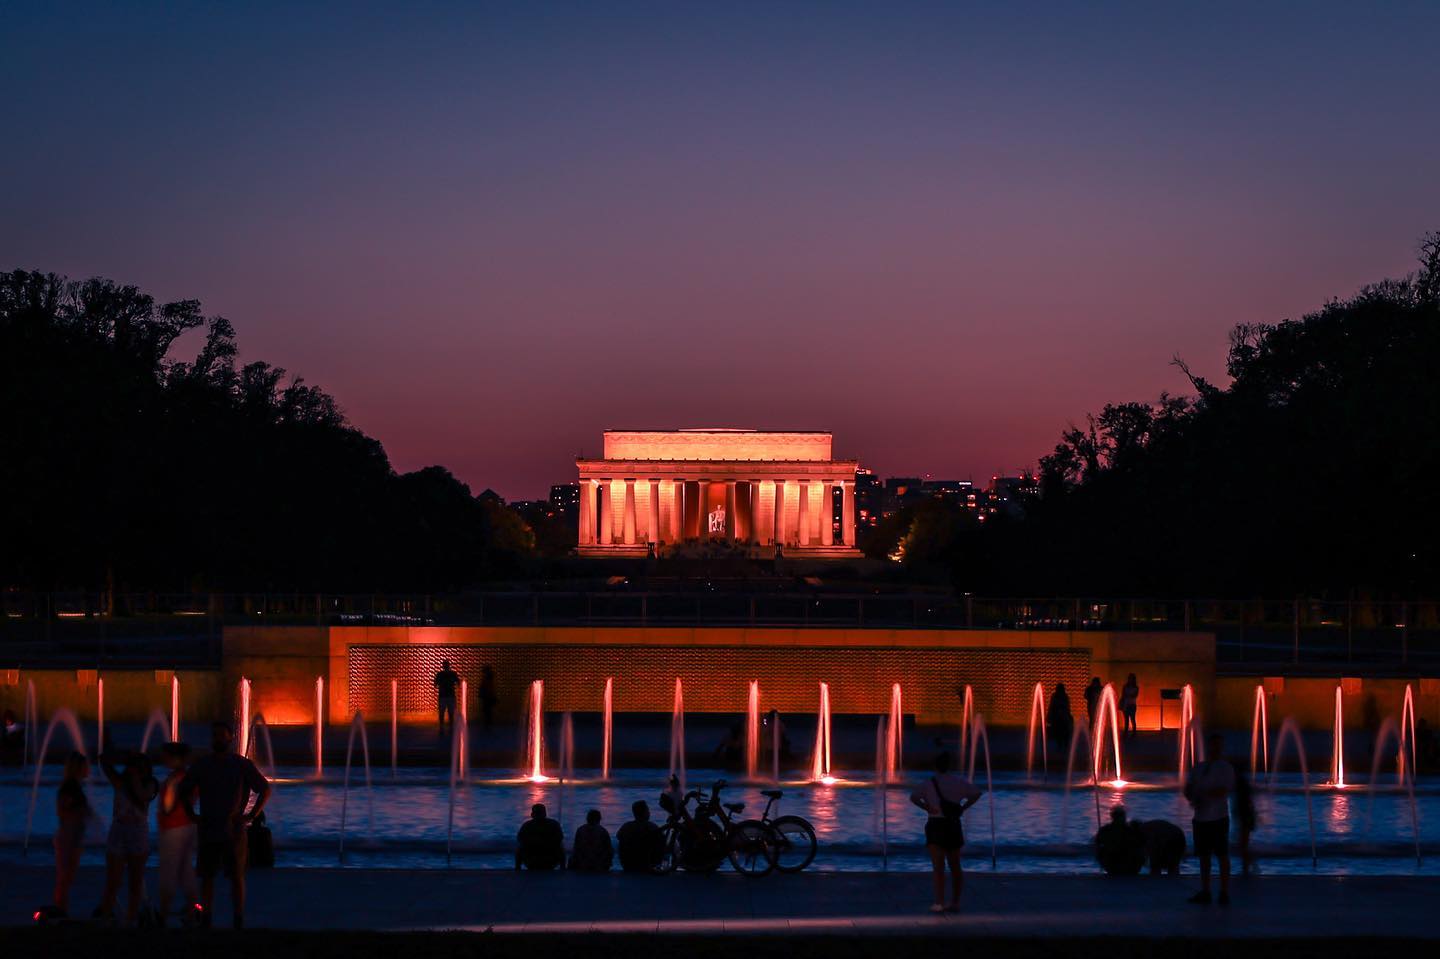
x=768, y=491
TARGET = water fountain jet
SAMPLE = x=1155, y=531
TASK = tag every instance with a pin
x=1260, y=734
x=978, y=736
x=1337, y=751
x=357, y=724
x=967, y=716
x=243, y=726
x=1407, y=734
x=100, y=715
x=1189, y=741
x=895, y=737
x=677, y=736
x=752, y=731
x=1037, y=710
x=464, y=725
x=1290, y=732
x=156, y=721
x=64, y=719
x=319, y=726
x=1106, y=714
x=820, y=763
x=607, y=744
x=174, y=708
x=534, y=768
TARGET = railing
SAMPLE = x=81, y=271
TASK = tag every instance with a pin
x=185, y=629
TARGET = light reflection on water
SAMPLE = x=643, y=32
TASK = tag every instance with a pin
x=1038, y=829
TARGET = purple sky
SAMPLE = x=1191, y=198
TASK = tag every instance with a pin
x=942, y=232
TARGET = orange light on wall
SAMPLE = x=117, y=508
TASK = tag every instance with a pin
x=1274, y=685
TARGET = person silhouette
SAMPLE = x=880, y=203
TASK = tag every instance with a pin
x=592, y=851
x=640, y=840
x=446, y=682
x=540, y=844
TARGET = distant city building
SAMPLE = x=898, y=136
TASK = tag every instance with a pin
x=565, y=498
x=1009, y=494
x=959, y=492
x=869, y=498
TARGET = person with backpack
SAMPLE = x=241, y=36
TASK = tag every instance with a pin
x=945, y=796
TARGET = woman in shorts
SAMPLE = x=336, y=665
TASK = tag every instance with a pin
x=128, y=844
x=72, y=812
x=945, y=796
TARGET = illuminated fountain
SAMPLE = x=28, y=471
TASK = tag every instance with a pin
x=677, y=736
x=820, y=764
x=1191, y=746
x=607, y=744
x=894, y=737
x=1082, y=731
x=1337, y=749
x=243, y=726
x=100, y=716
x=1106, y=714
x=394, y=728
x=1259, y=735
x=64, y=719
x=979, y=737
x=357, y=725
x=260, y=732
x=464, y=725
x=534, y=768
x=157, y=721
x=1290, y=732
x=1037, y=727
x=319, y=726
x=1407, y=735
x=1390, y=729
x=174, y=708
x=967, y=716
x=566, y=760
x=752, y=731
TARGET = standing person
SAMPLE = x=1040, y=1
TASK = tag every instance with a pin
x=1062, y=723
x=540, y=843
x=178, y=836
x=72, y=812
x=1092, y=699
x=446, y=682
x=945, y=797
x=1208, y=788
x=640, y=840
x=488, y=696
x=224, y=783
x=592, y=851
x=128, y=844
x=1129, y=701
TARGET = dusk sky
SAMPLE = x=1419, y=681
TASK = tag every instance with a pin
x=941, y=231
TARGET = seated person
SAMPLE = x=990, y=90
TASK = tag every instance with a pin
x=540, y=844
x=640, y=841
x=1164, y=845
x=1119, y=846
x=592, y=851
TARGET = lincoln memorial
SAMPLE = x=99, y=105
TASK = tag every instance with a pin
x=766, y=491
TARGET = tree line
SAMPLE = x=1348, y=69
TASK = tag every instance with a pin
x=123, y=468
x=1313, y=470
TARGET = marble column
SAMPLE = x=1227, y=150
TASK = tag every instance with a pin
x=607, y=515
x=756, y=532
x=779, y=512
x=730, y=517
x=702, y=513
x=804, y=512
x=652, y=529
x=629, y=518
x=677, y=512
x=847, y=513
x=587, y=512
x=827, y=513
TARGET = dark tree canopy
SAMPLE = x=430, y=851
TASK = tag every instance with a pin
x=1315, y=470
x=124, y=468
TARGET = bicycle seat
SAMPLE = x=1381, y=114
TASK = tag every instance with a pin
x=735, y=807
x=771, y=793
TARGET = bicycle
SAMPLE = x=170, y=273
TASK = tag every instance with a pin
x=700, y=842
x=795, y=840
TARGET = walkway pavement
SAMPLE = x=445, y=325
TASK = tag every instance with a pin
x=818, y=903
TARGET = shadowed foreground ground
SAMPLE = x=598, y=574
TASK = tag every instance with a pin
x=835, y=906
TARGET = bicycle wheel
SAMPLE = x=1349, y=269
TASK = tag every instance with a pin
x=795, y=845
x=669, y=850
x=752, y=848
